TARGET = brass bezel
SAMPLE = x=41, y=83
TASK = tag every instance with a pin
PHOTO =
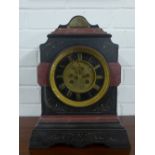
x=104, y=65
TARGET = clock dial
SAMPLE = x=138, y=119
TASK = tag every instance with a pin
x=79, y=76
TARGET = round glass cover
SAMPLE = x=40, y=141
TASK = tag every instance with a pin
x=79, y=76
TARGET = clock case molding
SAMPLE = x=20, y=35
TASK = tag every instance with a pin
x=78, y=126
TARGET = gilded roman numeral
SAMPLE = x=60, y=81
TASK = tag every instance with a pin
x=99, y=77
x=97, y=66
x=90, y=59
x=59, y=76
x=97, y=87
x=62, y=86
x=69, y=93
x=78, y=96
x=79, y=55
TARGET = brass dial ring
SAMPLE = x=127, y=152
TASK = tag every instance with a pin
x=76, y=80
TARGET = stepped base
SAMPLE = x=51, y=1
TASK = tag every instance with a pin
x=58, y=130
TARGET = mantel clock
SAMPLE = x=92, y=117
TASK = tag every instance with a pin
x=79, y=74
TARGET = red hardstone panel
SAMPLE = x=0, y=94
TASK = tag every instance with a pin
x=43, y=74
x=115, y=74
x=79, y=118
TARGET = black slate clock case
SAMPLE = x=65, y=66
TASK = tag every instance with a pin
x=47, y=132
x=51, y=49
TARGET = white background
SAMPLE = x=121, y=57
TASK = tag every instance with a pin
x=40, y=17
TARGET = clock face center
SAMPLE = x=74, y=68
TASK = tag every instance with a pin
x=79, y=76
